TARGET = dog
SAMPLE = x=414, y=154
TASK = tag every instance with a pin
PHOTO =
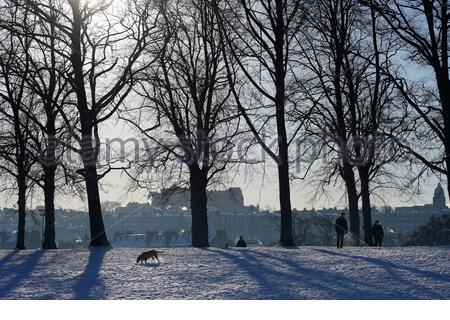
x=147, y=255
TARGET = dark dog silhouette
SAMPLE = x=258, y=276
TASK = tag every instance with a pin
x=143, y=257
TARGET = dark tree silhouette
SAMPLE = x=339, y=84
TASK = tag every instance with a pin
x=103, y=45
x=259, y=37
x=45, y=78
x=331, y=87
x=422, y=26
x=379, y=114
x=356, y=106
x=187, y=91
x=16, y=103
x=434, y=233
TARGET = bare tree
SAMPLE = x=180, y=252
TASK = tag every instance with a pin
x=46, y=79
x=188, y=93
x=103, y=45
x=259, y=35
x=330, y=86
x=379, y=113
x=16, y=102
x=422, y=26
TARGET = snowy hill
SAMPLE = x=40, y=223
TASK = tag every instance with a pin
x=253, y=273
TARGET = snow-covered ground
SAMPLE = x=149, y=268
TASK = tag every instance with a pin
x=251, y=273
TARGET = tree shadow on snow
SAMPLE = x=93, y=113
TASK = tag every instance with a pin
x=393, y=269
x=8, y=257
x=328, y=283
x=277, y=284
x=18, y=273
x=89, y=284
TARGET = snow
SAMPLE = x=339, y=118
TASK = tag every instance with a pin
x=249, y=273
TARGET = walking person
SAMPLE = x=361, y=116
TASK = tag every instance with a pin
x=341, y=229
x=378, y=234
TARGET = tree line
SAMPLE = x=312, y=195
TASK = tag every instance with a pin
x=196, y=77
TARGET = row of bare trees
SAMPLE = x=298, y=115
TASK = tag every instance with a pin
x=194, y=77
x=67, y=67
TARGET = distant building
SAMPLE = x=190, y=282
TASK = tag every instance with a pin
x=439, y=197
x=230, y=200
x=173, y=197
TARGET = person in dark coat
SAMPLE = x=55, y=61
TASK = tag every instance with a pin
x=241, y=243
x=341, y=229
x=378, y=234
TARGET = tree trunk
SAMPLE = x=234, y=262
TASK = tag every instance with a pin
x=444, y=95
x=89, y=157
x=447, y=163
x=286, y=234
x=349, y=178
x=87, y=119
x=366, y=207
x=20, y=244
x=98, y=233
x=199, y=210
x=49, y=241
x=448, y=179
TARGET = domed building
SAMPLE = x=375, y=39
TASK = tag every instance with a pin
x=439, y=197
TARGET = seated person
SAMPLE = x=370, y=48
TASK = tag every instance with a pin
x=241, y=243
